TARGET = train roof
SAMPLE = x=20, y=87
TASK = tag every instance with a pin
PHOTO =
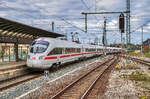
x=64, y=43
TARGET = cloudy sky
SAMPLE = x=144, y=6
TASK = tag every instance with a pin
x=68, y=18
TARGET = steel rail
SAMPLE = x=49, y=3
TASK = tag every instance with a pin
x=73, y=83
x=96, y=80
x=138, y=60
x=19, y=82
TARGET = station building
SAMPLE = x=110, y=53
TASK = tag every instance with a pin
x=15, y=39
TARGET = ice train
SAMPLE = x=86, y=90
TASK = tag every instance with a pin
x=47, y=52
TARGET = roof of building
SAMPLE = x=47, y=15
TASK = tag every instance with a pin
x=12, y=29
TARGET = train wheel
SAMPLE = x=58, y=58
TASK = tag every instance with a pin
x=56, y=65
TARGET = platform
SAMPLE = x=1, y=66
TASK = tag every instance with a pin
x=12, y=69
x=11, y=65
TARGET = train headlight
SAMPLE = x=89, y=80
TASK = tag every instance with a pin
x=41, y=57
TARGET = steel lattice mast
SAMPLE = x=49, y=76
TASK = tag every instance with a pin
x=128, y=38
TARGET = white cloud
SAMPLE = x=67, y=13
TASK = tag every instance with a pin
x=109, y=4
x=44, y=12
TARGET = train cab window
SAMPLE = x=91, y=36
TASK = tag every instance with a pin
x=39, y=46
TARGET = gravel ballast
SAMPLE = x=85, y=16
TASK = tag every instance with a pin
x=35, y=84
x=121, y=86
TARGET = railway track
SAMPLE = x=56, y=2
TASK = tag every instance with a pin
x=11, y=72
x=16, y=80
x=81, y=87
x=9, y=83
x=138, y=60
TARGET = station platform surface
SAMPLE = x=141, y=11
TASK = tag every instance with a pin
x=10, y=65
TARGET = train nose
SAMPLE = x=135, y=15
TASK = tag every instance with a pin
x=37, y=63
x=34, y=62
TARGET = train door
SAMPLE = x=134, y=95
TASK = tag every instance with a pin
x=83, y=51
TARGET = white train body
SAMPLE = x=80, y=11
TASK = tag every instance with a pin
x=46, y=52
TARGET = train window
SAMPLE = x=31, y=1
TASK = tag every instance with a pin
x=72, y=50
x=99, y=50
x=86, y=50
x=67, y=50
x=39, y=46
x=90, y=50
x=78, y=50
x=56, y=51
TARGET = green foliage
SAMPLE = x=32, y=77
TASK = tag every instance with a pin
x=145, y=97
x=139, y=76
x=123, y=76
x=131, y=67
x=147, y=54
x=135, y=54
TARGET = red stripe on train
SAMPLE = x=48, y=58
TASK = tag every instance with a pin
x=76, y=54
x=54, y=57
x=65, y=56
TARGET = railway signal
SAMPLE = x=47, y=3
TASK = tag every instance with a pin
x=121, y=22
x=121, y=27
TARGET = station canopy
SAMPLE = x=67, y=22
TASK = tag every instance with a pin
x=12, y=32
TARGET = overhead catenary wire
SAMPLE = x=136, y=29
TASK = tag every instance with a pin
x=65, y=20
x=72, y=24
x=37, y=18
x=140, y=26
x=83, y=2
x=88, y=8
x=26, y=14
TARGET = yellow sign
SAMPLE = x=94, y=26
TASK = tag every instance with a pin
x=117, y=67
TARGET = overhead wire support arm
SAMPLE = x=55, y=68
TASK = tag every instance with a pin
x=105, y=12
x=86, y=13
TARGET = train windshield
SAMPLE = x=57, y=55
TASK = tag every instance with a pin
x=39, y=46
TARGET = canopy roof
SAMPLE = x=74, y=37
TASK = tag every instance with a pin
x=14, y=29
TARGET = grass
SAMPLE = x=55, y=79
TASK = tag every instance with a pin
x=137, y=76
x=145, y=97
x=131, y=66
x=145, y=54
x=135, y=54
x=142, y=79
x=123, y=76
